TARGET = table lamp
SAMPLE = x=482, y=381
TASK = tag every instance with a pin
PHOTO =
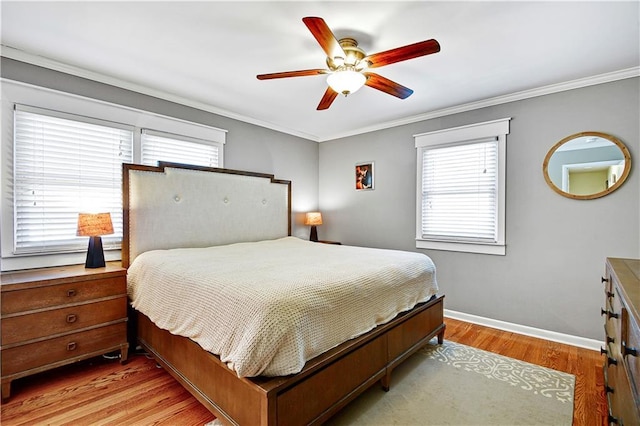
x=93, y=225
x=313, y=219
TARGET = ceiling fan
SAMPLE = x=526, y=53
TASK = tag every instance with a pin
x=348, y=65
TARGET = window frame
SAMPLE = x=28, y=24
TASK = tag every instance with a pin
x=51, y=120
x=465, y=134
x=13, y=93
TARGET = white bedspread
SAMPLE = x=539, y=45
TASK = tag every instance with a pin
x=268, y=307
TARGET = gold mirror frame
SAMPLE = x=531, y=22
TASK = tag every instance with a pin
x=616, y=185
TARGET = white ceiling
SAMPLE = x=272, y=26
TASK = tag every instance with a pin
x=207, y=54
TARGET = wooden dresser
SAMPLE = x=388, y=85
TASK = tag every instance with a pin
x=57, y=316
x=622, y=334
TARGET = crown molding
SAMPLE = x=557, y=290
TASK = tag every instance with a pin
x=22, y=56
x=498, y=100
x=41, y=61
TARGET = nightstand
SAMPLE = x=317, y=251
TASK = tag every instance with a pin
x=56, y=316
x=329, y=242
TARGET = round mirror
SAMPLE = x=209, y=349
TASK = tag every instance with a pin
x=587, y=165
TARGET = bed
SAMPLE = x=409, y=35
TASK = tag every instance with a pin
x=299, y=369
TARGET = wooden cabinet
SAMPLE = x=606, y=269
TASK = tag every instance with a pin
x=56, y=316
x=622, y=334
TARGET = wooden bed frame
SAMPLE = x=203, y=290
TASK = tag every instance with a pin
x=324, y=386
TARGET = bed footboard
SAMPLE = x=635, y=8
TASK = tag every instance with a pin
x=325, y=385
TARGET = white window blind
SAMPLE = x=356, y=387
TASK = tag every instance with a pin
x=65, y=164
x=160, y=146
x=459, y=191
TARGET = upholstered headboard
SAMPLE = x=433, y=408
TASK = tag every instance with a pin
x=175, y=205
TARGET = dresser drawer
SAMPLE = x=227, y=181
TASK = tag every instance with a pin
x=630, y=349
x=20, y=359
x=613, y=321
x=61, y=294
x=621, y=402
x=21, y=328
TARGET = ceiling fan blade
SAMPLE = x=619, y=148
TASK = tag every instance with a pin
x=324, y=36
x=328, y=98
x=403, y=53
x=285, y=74
x=385, y=85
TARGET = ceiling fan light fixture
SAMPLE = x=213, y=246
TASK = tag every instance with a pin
x=347, y=64
x=361, y=66
x=346, y=81
x=338, y=61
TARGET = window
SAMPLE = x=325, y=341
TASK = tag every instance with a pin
x=461, y=188
x=160, y=146
x=64, y=165
x=63, y=157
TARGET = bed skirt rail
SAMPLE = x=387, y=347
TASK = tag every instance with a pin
x=325, y=385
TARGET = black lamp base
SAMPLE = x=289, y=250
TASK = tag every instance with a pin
x=314, y=234
x=95, y=254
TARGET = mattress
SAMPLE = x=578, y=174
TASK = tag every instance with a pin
x=265, y=308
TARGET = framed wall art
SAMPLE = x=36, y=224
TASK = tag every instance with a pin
x=364, y=176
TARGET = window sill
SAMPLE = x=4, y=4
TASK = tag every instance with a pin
x=17, y=263
x=495, y=249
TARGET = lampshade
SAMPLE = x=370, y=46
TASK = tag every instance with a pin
x=346, y=81
x=313, y=218
x=94, y=224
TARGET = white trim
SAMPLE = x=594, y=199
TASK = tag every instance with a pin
x=204, y=127
x=486, y=129
x=19, y=55
x=22, y=56
x=497, y=249
x=495, y=129
x=497, y=100
x=567, y=339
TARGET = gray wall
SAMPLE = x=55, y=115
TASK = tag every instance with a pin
x=556, y=247
x=248, y=147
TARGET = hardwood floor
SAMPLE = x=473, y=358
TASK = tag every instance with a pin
x=100, y=391
x=104, y=392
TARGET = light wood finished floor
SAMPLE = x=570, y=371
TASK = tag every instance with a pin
x=138, y=393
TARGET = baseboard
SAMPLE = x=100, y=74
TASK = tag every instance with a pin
x=526, y=330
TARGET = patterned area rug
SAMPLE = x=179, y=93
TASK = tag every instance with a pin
x=454, y=384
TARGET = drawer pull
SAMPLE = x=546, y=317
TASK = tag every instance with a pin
x=628, y=351
x=611, y=361
x=604, y=280
x=610, y=340
x=603, y=351
x=71, y=346
x=71, y=293
x=71, y=318
x=613, y=420
x=610, y=314
x=610, y=294
x=608, y=389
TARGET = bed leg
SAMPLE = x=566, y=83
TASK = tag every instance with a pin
x=441, y=334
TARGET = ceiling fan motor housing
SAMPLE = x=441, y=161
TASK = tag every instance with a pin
x=354, y=57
